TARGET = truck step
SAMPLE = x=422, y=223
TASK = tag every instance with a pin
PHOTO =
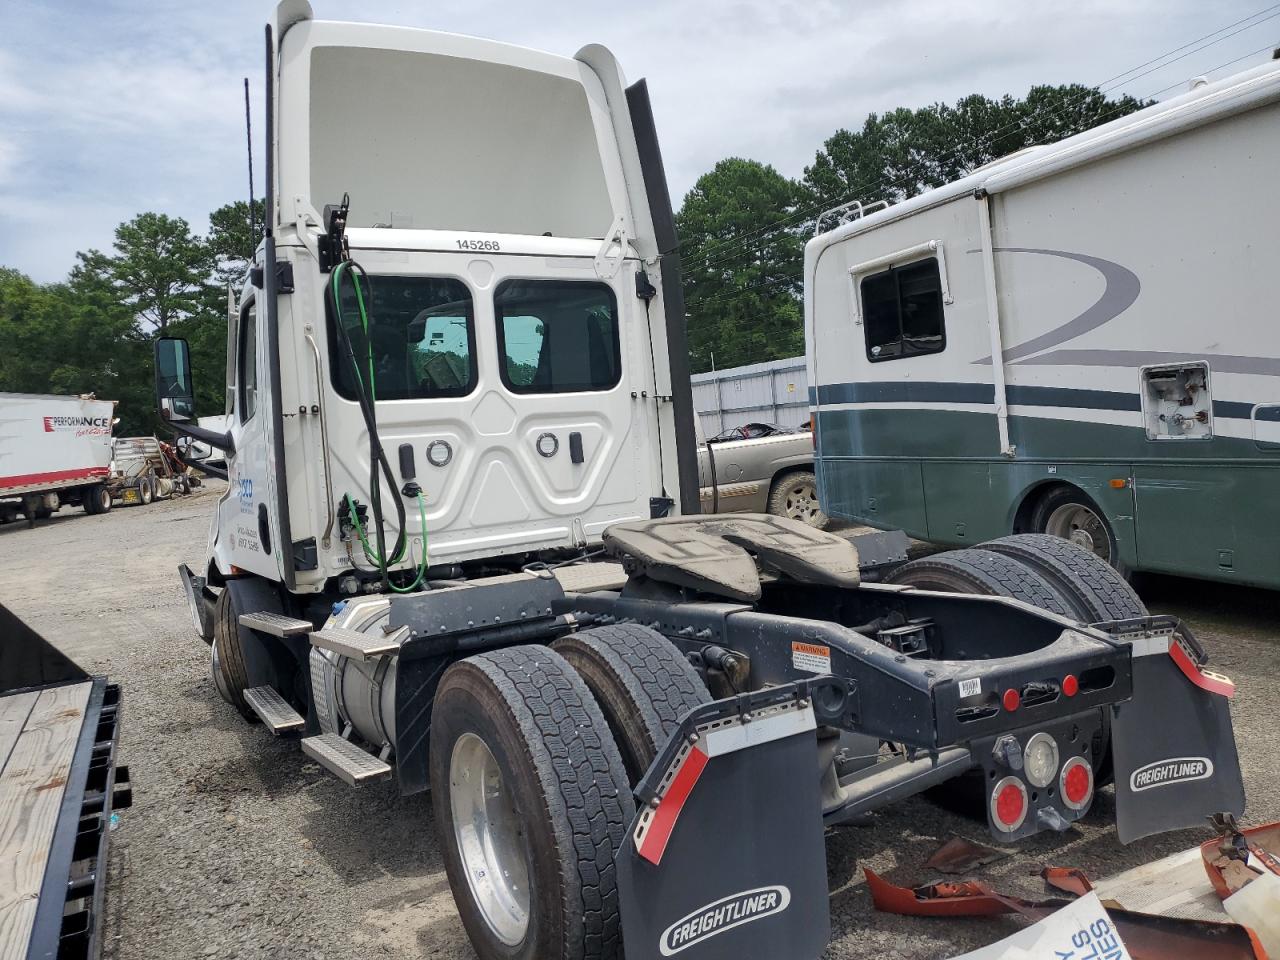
x=354, y=644
x=276, y=624
x=273, y=710
x=344, y=759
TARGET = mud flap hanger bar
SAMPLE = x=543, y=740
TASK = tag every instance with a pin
x=831, y=698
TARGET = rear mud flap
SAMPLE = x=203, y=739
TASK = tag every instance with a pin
x=1174, y=748
x=726, y=860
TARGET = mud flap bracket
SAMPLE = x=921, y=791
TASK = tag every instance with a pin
x=725, y=858
x=1174, y=748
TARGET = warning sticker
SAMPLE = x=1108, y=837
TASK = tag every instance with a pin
x=810, y=657
x=971, y=687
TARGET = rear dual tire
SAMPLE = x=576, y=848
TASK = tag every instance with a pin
x=529, y=850
x=97, y=499
x=1044, y=571
x=643, y=684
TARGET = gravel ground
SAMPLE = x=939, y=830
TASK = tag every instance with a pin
x=238, y=847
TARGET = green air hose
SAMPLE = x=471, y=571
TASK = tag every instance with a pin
x=368, y=394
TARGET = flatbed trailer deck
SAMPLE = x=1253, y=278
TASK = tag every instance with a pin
x=59, y=786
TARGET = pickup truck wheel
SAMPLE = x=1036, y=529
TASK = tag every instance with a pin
x=795, y=495
x=641, y=681
x=532, y=804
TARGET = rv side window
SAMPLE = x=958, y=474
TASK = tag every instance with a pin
x=421, y=336
x=902, y=311
x=557, y=336
x=248, y=366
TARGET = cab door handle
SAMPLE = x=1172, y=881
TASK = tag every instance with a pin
x=575, y=447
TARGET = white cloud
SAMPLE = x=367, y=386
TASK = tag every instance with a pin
x=112, y=108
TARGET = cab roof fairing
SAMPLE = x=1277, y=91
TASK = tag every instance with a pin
x=595, y=71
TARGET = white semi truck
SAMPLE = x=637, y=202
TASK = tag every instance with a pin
x=54, y=450
x=461, y=546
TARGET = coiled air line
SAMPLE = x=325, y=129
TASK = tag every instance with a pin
x=349, y=270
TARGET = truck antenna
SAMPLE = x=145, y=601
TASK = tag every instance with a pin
x=248, y=138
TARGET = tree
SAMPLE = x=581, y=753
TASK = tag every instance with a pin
x=159, y=268
x=905, y=152
x=233, y=239
x=741, y=279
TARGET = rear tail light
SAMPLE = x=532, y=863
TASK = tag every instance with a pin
x=1040, y=760
x=1076, y=783
x=1070, y=685
x=1012, y=699
x=1009, y=804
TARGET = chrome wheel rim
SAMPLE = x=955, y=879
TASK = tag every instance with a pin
x=490, y=841
x=802, y=502
x=1082, y=526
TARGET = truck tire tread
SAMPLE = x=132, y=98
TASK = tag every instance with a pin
x=641, y=681
x=230, y=659
x=1099, y=591
x=980, y=571
x=580, y=786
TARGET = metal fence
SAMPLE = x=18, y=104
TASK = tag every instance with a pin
x=772, y=392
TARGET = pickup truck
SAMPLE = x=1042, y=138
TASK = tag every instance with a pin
x=760, y=468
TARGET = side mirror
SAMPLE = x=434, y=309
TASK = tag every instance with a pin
x=175, y=395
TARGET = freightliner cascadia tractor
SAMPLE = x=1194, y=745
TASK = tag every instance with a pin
x=460, y=546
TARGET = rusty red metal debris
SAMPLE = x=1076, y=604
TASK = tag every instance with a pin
x=1226, y=857
x=959, y=856
x=1147, y=936
x=1067, y=879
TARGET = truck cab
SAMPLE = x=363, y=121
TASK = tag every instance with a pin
x=511, y=317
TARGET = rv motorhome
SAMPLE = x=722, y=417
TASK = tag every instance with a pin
x=1081, y=340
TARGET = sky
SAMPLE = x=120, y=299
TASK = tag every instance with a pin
x=109, y=108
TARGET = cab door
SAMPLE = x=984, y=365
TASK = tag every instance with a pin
x=246, y=513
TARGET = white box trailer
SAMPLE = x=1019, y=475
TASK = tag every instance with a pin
x=54, y=450
x=1123, y=279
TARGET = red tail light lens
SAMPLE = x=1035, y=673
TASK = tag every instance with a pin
x=1076, y=783
x=1009, y=804
x=1012, y=699
x=1070, y=685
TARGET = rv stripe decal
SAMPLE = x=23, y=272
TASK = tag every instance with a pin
x=924, y=392
x=1018, y=395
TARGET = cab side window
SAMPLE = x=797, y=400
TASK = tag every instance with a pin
x=247, y=364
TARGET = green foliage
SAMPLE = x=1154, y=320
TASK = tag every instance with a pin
x=94, y=333
x=741, y=285
x=905, y=152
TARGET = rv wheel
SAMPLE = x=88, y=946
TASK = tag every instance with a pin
x=531, y=803
x=641, y=681
x=1067, y=513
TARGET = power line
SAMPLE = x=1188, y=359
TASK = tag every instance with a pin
x=1160, y=62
